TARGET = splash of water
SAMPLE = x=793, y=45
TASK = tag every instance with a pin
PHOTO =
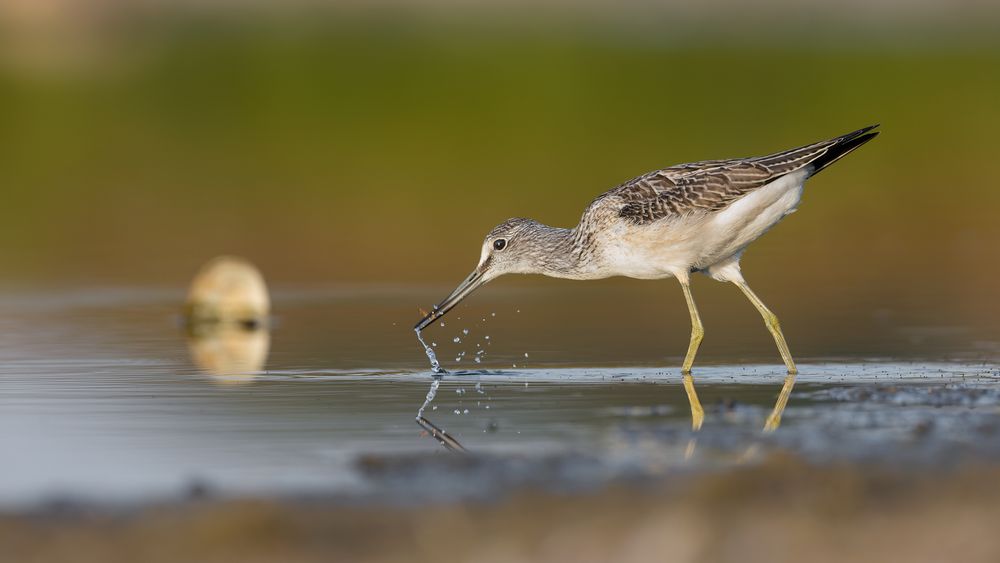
x=431, y=393
x=435, y=364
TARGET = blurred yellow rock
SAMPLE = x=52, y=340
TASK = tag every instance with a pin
x=228, y=290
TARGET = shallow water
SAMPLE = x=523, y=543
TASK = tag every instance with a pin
x=100, y=397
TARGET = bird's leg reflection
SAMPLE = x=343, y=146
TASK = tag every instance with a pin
x=774, y=420
x=440, y=435
x=697, y=413
x=690, y=448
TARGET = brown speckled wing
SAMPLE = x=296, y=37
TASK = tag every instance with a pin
x=712, y=185
x=674, y=191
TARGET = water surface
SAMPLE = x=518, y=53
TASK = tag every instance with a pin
x=100, y=398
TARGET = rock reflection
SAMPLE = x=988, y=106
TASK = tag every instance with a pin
x=233, y=352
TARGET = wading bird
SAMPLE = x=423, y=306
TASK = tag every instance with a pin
x=696, y=217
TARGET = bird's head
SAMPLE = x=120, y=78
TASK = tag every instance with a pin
x=516, y=246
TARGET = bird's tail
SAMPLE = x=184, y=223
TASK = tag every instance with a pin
x=843, y=145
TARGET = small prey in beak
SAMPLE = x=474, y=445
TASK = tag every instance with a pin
x=467, y=286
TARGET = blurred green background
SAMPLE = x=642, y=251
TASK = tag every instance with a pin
x=339, y=143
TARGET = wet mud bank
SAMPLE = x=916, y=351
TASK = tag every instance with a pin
x=783, y=509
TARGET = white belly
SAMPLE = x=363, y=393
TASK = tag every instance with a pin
x=676, y=246
x=731, y=230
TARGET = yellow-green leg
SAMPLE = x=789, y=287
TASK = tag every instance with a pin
x=774, y=420
x=697, y=333
x=772, y=325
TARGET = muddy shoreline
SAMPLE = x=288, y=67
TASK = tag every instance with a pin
x=782, y=509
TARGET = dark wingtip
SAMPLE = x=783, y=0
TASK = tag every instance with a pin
x=856, y=134
x=843, y=145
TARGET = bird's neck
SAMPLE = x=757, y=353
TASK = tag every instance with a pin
x=563, y=253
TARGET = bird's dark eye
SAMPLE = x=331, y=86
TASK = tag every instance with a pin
x=500, y=244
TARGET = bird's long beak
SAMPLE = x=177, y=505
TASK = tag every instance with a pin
x=467, y=286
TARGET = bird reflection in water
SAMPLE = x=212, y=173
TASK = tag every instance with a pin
x=227, y=318
x=446, y=440
x=770, y=425
x=774, y=420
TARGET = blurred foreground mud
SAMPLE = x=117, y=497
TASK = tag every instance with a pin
x=781, y=510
